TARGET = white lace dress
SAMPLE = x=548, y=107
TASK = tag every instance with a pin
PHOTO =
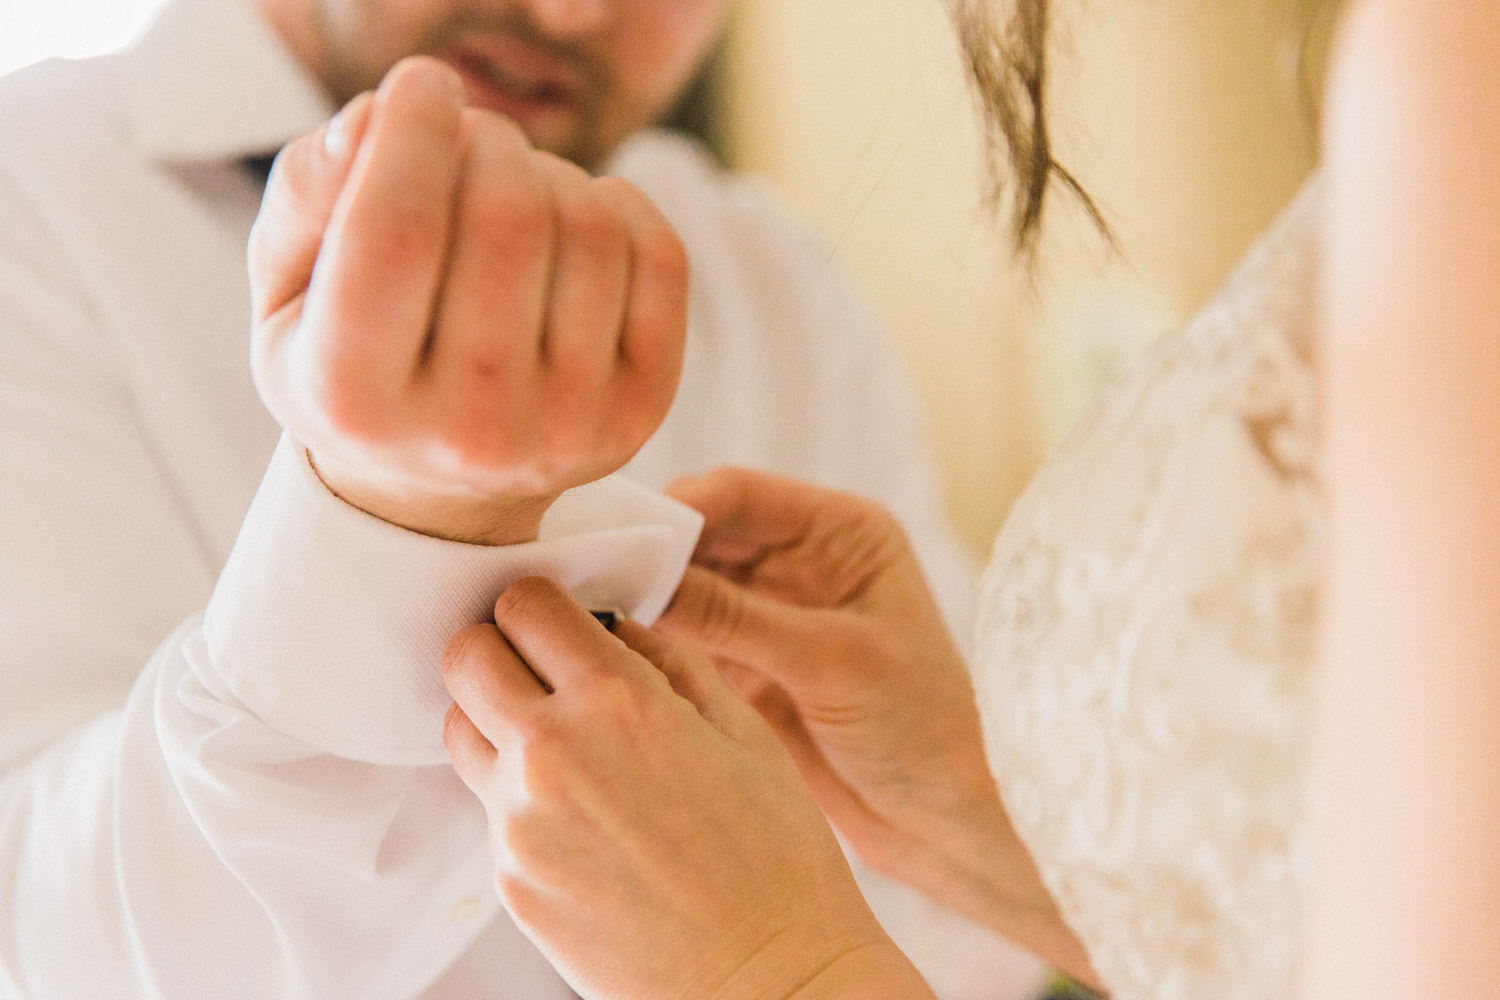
x=1145, y=644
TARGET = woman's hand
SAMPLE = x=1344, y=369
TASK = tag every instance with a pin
x=457, y=326
x=650, y=834
x=816, y=608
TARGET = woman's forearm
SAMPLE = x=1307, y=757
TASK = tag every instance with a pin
x=1408, y=767
x=979, y=867
x=876, y=972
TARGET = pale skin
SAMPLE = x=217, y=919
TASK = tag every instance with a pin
x=456, y=326
x=1409, y=761
x=649, y=832
x=415, y=380
x=814, y=605
x=811, y=606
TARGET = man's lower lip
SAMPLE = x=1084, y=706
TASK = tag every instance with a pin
x=485, y=93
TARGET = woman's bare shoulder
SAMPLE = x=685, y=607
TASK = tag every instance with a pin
x=1433, y=63
x=1412, y=143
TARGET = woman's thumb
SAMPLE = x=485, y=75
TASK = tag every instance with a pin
x=741, y=626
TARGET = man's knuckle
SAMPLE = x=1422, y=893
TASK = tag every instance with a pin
x=618, y=192
x=438, y=121
x=400, y=236
x=515, y=217
x=572, y=389
x=572, y=443
x=473, y=445
x=636, y=413
x=348, y=407
x=661, y=256
x=591, y=231
x=485, y=371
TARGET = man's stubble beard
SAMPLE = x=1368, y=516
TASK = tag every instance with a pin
x=591, y=140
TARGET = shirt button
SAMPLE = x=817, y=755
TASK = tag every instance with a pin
x=467, y=910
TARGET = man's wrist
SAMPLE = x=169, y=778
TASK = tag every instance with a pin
x=451, y=516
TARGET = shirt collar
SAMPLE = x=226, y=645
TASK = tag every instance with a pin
x=209, y=81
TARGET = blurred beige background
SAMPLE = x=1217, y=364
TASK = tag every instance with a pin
x=1187, y=119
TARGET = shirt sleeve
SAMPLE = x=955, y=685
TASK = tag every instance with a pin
x=266, y=812
x=270, y=814
x=86, y=508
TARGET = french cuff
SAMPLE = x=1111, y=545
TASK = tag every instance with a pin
x=330, y=624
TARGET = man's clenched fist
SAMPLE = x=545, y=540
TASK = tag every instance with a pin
x=456, y=326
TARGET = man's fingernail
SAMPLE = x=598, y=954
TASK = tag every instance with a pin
x=339, y=136
x=435, y=73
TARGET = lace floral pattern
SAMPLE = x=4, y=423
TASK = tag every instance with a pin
x=1145, y=643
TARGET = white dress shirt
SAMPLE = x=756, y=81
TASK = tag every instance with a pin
x=224, y=772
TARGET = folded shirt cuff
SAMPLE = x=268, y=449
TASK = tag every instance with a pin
x=330, y=624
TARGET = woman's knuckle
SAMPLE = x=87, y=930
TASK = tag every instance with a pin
x=517, y=837
x=520, y=897
x=458, y=654
x=504, y=879
x=516, y=603
x=874, y=516
x=723, y=615
x=452, y=728
x=455, y=656
x=837, y=646
x=544, y=762
x=607, y=697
